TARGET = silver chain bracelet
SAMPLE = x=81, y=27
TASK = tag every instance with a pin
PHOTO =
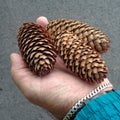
x=85, y=100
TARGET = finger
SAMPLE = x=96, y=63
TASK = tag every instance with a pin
x=17, y=64
x=17, y=61
x=18, y=68
x=42, y=21
x=21, y=75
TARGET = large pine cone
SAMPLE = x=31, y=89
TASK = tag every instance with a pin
x=88, y=34
x=36, y=48
x=80, y=58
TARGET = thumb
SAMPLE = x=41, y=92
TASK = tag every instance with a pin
x=17, y=62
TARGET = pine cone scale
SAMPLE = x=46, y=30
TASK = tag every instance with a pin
x=79, y=58
x=77, y=43
x=86, y=33
x=36, y=48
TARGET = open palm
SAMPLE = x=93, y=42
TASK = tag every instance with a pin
x=57, y=91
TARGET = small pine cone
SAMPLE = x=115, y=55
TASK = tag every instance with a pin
x=36, y=48
x=80, y=58
x=88, y=34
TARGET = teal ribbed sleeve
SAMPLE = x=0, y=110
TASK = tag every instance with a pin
x=104, y=107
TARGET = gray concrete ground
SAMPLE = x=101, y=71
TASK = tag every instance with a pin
x=104, y=14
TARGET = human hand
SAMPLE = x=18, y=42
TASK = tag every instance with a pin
x=57, y=92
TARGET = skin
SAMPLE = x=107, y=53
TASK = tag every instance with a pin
x=57, y=92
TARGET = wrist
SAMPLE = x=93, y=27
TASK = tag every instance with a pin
x=66, y=95
x=83, y=102
x=95, y=91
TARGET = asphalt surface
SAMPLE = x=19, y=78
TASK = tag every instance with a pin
x=103, y=14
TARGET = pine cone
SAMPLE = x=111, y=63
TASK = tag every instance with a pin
x=88, y=34
x=80, y=58
x=36, y=48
